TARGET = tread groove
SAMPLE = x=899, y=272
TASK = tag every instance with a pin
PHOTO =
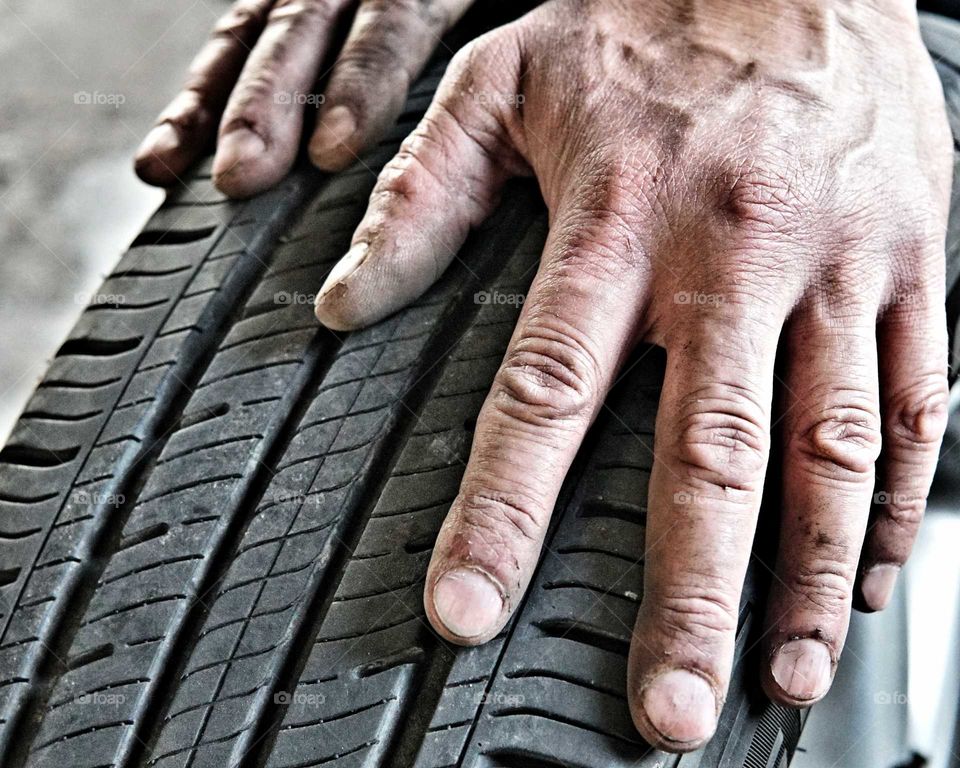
x=153, y=430
x=88, y=346
x=317, y=359
x=171, y=236
x=459, y=317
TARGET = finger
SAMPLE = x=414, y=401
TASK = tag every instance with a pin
x=388, y=45
x=576, y=327
x=185, y=129
x=914, y=396
x=711, y=449
x=261, y=126
x=832, y=440
x=445, y=180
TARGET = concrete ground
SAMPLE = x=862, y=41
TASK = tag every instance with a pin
x=80, y=84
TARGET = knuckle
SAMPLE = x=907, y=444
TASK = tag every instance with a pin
x=721, y=439
x=549, y=376
x=852, y=295
x=595, y=254
x=387, y=37
x=908, y=513
x=610, y=196
x=840, y=441
x=506, y=517
x=241, y=21
x=420, y=172
x=498, y=531
x=689, y=615
x=188, y=111
x=825, y=584
x=369, y=59
x=303, y=15
x=250, y=102
x=904, y=510
x=402, y=8
x=599, y=240
x=917, y=417
x=387, y=6
x=763, y=200
x=405, y=177
x=482, y=61
x=473, y=56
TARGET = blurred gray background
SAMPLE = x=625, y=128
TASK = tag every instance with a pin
x=69, y=200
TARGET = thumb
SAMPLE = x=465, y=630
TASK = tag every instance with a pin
x=446, y=179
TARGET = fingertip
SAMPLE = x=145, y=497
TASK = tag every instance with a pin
x=676, y=710
x=235, y=170
x=156, y=155
x=876, y=586
x=337, y=306
x=800, y=672
x=329, y=317
x=152, y=170
x=467, y=606
x=332, y=146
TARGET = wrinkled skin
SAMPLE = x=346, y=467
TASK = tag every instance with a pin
x=255, y=79
x=722, y=176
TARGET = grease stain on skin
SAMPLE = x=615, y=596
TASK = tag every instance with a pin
x=823, y=540
x=748, y=71
x=676, y=124
x=684, y=13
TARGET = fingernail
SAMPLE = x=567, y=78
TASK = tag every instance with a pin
x=876, y=585
x=333, y=130
x=234, y=149
x=342, y=270
x=802, y=668
x=467, y=602
x=681, y=706
x=161, y=139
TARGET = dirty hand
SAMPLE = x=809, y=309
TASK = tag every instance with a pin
x=721, y=176
x=256, y=77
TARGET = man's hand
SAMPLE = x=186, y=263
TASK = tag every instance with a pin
x=256, y=76
x=720, y=176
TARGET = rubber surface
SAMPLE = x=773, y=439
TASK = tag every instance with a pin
x=215, y=517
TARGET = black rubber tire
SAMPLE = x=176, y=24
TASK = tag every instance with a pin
x=215, y=518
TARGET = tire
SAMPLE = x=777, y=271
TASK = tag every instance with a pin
x=215, y=517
